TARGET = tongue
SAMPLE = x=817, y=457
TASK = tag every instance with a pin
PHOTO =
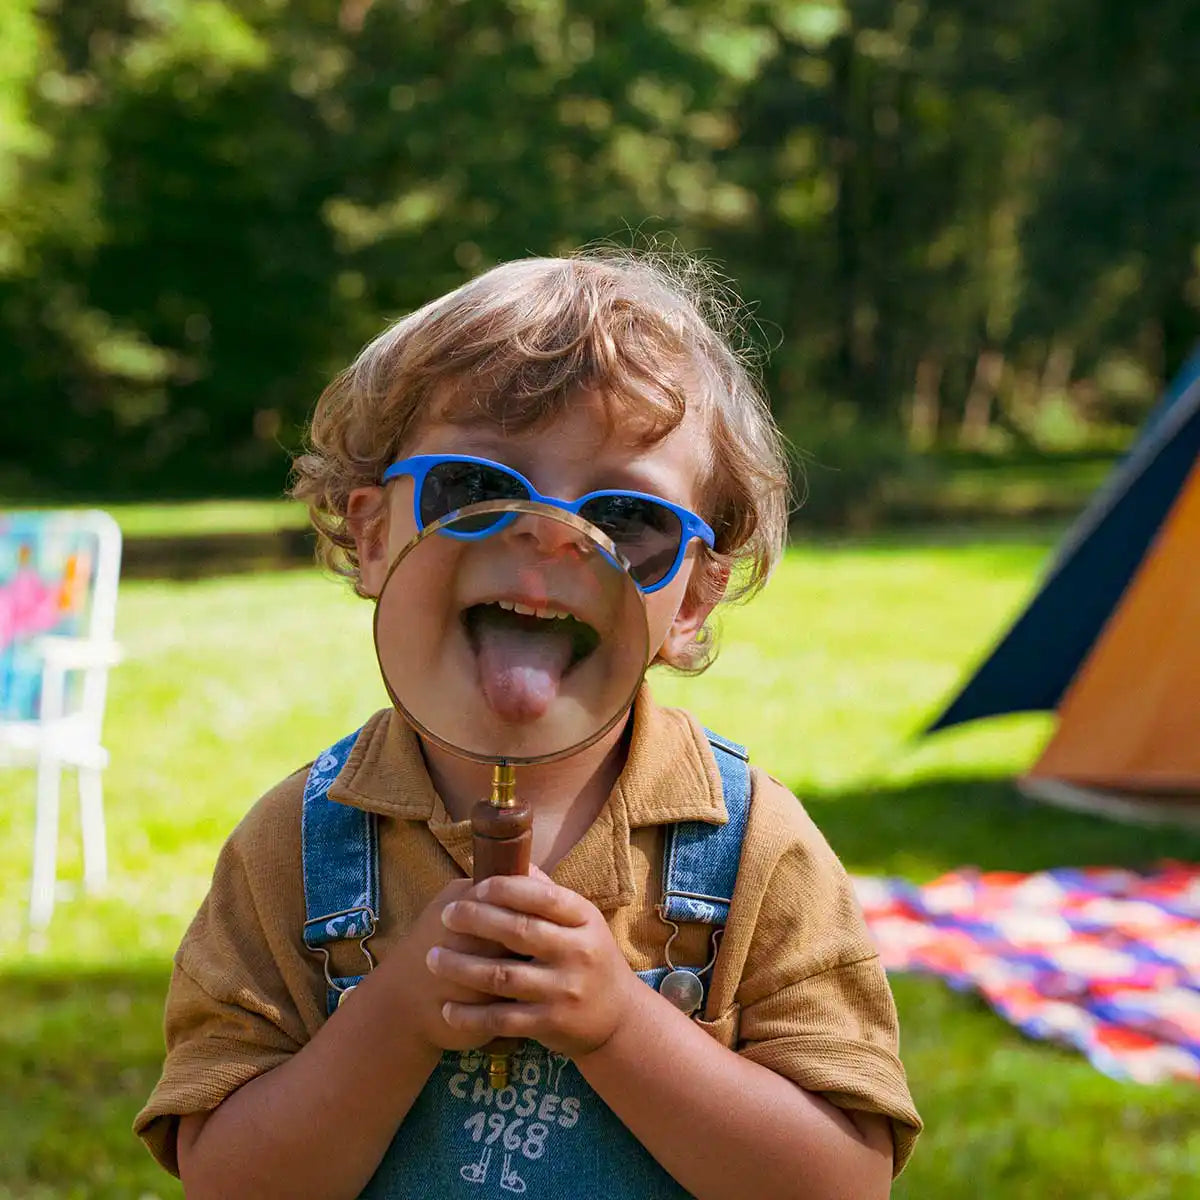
x=521, y=663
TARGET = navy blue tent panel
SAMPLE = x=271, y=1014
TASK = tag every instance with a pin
x=1036, y=660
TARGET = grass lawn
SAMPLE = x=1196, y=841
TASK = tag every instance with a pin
x=232, y=683
x=148, y=519
x=950, y=484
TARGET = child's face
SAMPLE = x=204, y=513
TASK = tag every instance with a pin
x=570, y=456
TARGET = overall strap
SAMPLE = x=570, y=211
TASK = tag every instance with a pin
x=700, y=861
x=340, y=849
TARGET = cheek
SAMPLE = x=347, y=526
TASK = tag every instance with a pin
x=393, y=529
x=422, y=650
x=402, y=525
x=662, y=607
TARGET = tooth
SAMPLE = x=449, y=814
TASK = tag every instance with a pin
x=507, y=605
x=525, y=610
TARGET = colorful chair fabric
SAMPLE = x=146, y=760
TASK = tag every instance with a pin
x=58, y=596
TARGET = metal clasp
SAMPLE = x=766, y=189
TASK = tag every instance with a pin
x=714, y=946
x=682, y=986
x=326, y=961
x=661, y=909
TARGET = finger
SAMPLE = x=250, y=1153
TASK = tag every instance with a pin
x=466, y=944
x=503, y=1019
x=540, y=897
x=507, y=977
x=462, y=995
x=455, y=889
x=518, y=932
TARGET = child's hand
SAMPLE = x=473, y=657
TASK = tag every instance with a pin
x=425, y=995
x=572, y=994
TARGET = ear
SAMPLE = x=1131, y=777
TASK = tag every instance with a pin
x=366, y=521
x=705, y=590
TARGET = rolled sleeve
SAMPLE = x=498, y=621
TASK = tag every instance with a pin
x=835, y=1034
x=243, y=996
x=813, y=1001
x=213, y=1048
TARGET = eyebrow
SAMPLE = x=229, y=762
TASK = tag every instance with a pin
x=635, y=480
x=492, y=443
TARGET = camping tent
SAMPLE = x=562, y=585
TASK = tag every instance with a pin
x=1111, y=640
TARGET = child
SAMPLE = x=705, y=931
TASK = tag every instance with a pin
x=326, y=1004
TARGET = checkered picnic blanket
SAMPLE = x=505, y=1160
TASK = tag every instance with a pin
x=1102, y=959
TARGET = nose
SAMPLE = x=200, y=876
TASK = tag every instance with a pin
x=550, y=538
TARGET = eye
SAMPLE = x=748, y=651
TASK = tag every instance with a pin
x=460, y=484
x=450, y=486
x=631, y=516
x=631, y=521
x=471, y=484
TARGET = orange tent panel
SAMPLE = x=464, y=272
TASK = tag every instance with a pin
x=1131, y=717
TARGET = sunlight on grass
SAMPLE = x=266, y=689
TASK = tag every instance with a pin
x=209, y=516
x=831, y=673
x=232, y=683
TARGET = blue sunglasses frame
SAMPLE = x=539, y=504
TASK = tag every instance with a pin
x=419, y=465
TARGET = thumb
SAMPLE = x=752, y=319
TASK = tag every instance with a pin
x=536, y=872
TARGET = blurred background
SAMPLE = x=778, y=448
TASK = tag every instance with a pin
x=968, y=232
x=968, y=235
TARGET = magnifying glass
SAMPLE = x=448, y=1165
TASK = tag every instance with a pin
x=511, y=633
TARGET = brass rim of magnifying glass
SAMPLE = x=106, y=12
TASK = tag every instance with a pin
x=520, y=508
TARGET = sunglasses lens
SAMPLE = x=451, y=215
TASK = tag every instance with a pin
x=646, y=533
x=450, y=486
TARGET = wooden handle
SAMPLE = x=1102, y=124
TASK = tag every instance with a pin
x=503, y=839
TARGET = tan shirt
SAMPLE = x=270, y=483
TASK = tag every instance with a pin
x=797, y=985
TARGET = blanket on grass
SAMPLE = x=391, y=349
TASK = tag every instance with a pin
x=1103, y=959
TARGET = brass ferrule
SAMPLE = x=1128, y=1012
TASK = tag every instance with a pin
x=504, y=786
x=498, y=1071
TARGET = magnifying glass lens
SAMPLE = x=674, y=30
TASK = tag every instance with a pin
x=511, y=631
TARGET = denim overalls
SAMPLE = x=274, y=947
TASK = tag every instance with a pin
x=547, y=1134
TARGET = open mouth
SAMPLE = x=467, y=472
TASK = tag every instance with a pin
x=512, y=621
x=524, y=653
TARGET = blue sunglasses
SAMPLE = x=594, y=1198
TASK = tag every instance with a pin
x=653, y=534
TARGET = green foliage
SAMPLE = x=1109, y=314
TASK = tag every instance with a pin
x=847, y=469
x=1118, y=196
x=944, y=216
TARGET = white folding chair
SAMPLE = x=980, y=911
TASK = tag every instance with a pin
x=58, y=599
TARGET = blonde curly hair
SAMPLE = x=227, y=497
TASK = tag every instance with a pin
x=649, y=334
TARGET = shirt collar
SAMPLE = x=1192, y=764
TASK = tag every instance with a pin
x=670, y=775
